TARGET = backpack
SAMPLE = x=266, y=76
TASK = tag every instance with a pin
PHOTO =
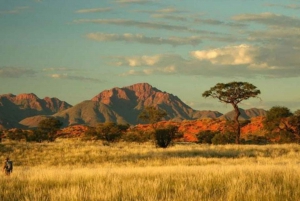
x=9, y=166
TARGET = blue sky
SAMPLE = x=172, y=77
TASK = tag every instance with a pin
x=74, y=49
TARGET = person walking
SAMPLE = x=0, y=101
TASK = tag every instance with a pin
x=8, y=166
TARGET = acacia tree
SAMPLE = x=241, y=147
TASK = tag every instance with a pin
x=48, y=128
x=233, y=93
x=152, y=115
x=110, y=131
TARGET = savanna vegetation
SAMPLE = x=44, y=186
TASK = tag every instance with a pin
x=70, y=169
x=121, y=162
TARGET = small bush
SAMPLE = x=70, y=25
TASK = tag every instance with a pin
x=205, y=137
x=36, y=136
x=282, y=137
x=136, y=136
x=90, y=134
x=165, y=136
x=224, y=138
x=108, y=131
x=17, y=134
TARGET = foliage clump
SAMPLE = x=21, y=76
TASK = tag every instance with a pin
x=165, y=136
x=205, y=137
x=282, y=125
x=135, y=135
x=108, y=131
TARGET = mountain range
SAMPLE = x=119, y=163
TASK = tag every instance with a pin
x=120, y=105
x=15, y=108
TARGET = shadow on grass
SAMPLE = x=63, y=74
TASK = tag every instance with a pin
x=211, y=153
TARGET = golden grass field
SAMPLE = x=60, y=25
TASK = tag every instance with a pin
x=67, y=170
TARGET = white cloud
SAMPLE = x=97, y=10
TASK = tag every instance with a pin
x=168, y=10
x=170, y=17
x=169, y=69
x=140, y=38
x=132, y=72
x=58, y=76
x=56, y=69
x=144, y=61
x=72, y=77
x=260, y=66
x=269, y=19
x=230, y=55
x=94, y=10
x=279, y=43
x=16, y=10
x=144, y=24
x=290, y=6
x=136, y=61
x=238, y=61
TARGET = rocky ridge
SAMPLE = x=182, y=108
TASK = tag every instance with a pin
x=120, y=105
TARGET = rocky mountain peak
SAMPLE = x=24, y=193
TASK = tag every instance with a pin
x=141, y=87
x=140, y=91
x=29, y=96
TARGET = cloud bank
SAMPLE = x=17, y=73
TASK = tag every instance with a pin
x=14, y=72
x=140, y=38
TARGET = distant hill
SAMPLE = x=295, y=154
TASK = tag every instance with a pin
x=120, y=105
x=123, y=105
x=245, y=114
x=14, y=108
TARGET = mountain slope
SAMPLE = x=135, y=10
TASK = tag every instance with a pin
x=245, y=114
x=135, y=97
x=14, y=108
x=123, y=105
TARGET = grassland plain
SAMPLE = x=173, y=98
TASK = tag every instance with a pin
x=68, y=170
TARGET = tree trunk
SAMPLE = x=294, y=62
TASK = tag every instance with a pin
x=238, y=126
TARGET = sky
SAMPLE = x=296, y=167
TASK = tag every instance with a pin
x=75, y=49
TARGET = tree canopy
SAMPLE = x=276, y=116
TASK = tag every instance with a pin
x=281, y=123
x=110, y=131
x=152, y=115
x=233, y=93
x=48, y=128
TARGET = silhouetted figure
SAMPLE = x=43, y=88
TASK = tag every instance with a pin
x=8, y=166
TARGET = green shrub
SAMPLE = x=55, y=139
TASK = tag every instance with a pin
x=90, y=134
x=205, y=137
x=136, y=136
x=17, y=134
x=282, y=137
x=36, y=136
x=224, y=138
x=47, y=129
x=110, y=131
x=165, y=136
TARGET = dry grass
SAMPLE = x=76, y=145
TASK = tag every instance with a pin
x=75, y=170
